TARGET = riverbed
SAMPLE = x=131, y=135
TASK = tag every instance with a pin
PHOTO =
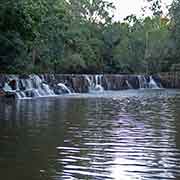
x=121, y=135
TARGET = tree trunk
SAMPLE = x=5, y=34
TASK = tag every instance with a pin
x=33, y=57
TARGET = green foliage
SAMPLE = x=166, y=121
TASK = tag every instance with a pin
x=155, y=7
x=74, y=63
x=78, y=36
x=175, y=15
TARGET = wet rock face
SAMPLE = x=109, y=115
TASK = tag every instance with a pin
x=157, y=80
x=13, y=84
x=3, y=79
x=120, y=82
x=134, y=82
x=170, y=80
x=29, y=93
x=76, y=83
x=2, y=93
x=10, y=94
x=80, y=84
x=115, y=82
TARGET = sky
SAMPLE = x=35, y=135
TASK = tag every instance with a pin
x=127, y=7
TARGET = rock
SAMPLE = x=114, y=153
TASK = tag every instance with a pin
x=23, y=76
x=170, y=79
x=3, y=79
x=13, y=84
x=115, y=82
x=10, y=94
x=134, y=82
x=61, y=89
x=157, y=80
x=79, y=84
x=2, y=93
x=29, y=93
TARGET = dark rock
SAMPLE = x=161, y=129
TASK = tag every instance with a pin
x=59, y=90
x=3, y=79
x=2, y=93
x=147, y=77
x=21, y=85
x=170, y=79
x=133, y=81
x=29, y=93
x=115, y=82
x=10, y=94
x=157, y=79
x=13, y=84
x=24, y=76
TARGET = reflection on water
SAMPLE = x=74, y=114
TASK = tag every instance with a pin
x=129, y=135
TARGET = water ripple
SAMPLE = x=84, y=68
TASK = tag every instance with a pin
x=131, y=136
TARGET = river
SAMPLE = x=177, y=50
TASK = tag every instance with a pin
x=123, y=135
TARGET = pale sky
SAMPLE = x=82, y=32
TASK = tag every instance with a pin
x=127, y=7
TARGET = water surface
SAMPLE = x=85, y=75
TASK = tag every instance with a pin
x=127, y=135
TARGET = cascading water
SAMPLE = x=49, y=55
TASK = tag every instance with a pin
x=95, y=83
x=153, y=84
x=147, y=82
x=51, y=85
x=35, y=87
x=29, y=87
x=143, y=83
x=63, y=89
x=7, y=88
x=98, y=83
x=129, y=85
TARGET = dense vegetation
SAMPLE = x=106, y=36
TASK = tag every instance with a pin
x=79, y=36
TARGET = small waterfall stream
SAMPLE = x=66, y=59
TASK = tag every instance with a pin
x=143, y=83
x=147, y=82
x=64, y=88
x=153, y=84
x=95, y=83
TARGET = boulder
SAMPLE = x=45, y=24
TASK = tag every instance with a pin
x=13, y=84
x=2, y=93
x=10, y=94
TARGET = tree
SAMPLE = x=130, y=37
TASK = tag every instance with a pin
x=175, y=16
x=157, y=44
x=94, y=11
x=156, y=7
x=78, y=36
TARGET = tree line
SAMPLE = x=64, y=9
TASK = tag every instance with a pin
x=79, y=36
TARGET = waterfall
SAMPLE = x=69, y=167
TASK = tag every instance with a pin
x=63, y=88
x=143, y=83
x=98, y=83
x=36, y=80
x=90, y=82
x=7, y=88
x=20, y=95
x=31, y=86
x=153, y=84
x=35, y=87
x=46, y=89
x=95, y=83
x=147, y=82
x=129, y=85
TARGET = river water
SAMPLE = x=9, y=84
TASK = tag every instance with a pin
x=127, y=135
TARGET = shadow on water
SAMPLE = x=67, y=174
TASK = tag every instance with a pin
x=120, y=136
